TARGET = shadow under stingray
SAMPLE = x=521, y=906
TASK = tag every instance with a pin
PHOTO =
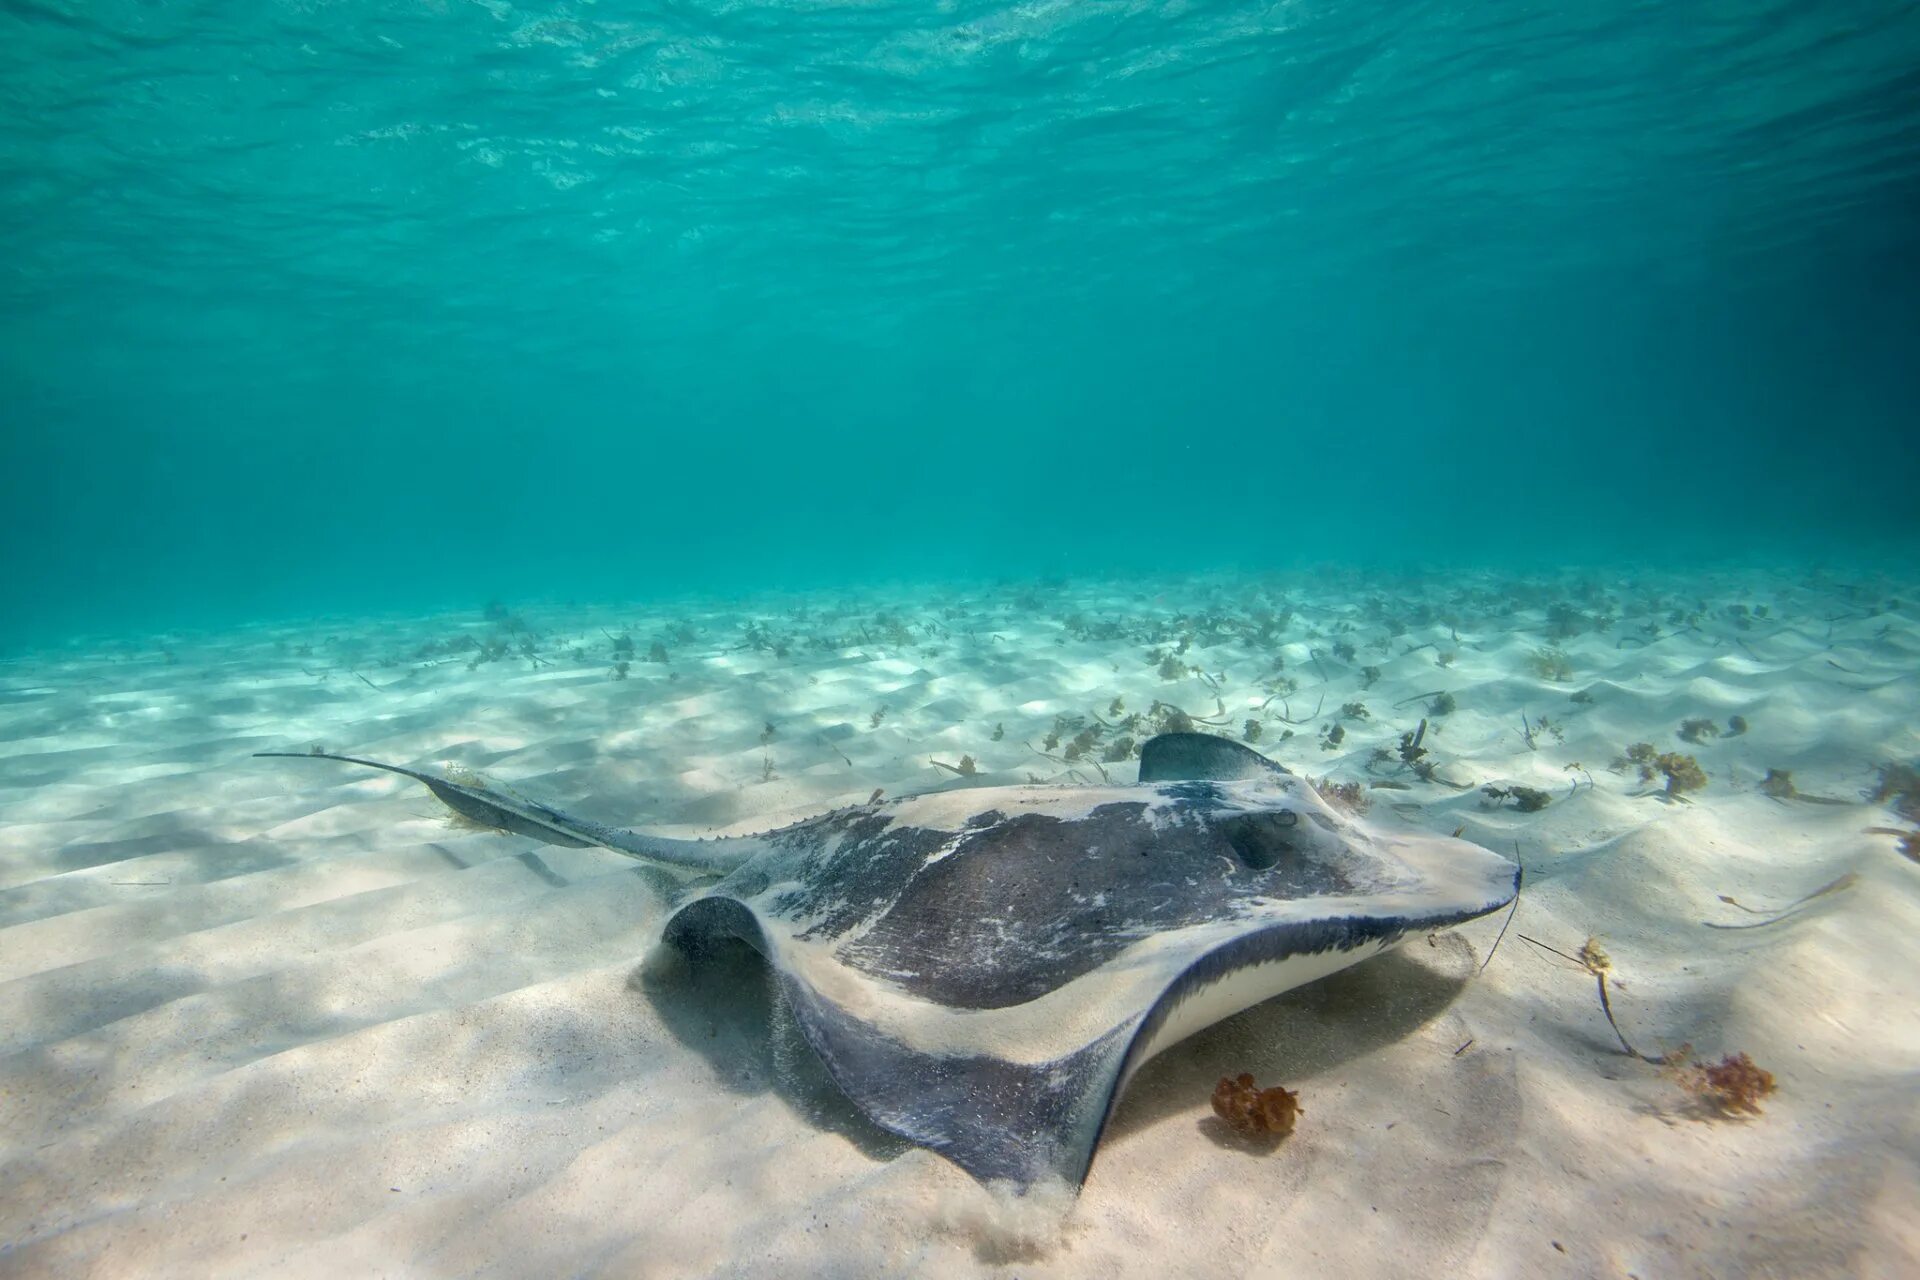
x=725, y=1005
x=1301, y=1034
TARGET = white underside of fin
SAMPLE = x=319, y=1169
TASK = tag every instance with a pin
x=1243, y=988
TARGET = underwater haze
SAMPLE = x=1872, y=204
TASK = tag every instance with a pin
x=847, y=423
x=312, y=307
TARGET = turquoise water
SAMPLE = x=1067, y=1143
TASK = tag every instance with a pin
x=310, y=307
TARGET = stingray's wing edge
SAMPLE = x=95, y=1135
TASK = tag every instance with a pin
x=1025, y=1122
x=997, y=1120
x=1257, y=946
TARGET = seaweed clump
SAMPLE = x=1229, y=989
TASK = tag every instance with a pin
x=1898, y=787
x=1640, y=753
x=1351, y=796
x=1683, y=773
x=1525, y=799
x=1551, y=664
x=1255, y=1112
x=1082, y=743
x=1412, y=754
x=1698, y=730
x=1733, y=1086
x=1170, y=719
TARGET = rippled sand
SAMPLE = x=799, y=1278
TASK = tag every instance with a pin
x=279, y=1017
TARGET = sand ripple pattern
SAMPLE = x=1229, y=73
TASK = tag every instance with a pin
x=269, y=1018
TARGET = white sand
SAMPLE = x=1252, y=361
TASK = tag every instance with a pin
x=276, y=1017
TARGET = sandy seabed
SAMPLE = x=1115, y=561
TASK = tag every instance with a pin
x=280, y=1018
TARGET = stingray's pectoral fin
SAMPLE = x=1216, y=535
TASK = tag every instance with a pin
x=999, y=1119
x=1025, y=1123
x=1185, y=757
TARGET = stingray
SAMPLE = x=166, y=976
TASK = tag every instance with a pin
x=982, y=970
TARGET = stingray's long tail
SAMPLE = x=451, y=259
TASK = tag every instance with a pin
x=494, y=806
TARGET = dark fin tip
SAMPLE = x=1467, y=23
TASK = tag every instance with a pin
x=1184, y=757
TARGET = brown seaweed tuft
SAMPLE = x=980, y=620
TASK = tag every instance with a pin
x=1698, y=729
x=1733, y=1086
x=1683, y=772
x=967, y=767
x=1898, y=787
x=1350, y=796
x=1525, y=799
x=1254, y=1112
x=1550, y=664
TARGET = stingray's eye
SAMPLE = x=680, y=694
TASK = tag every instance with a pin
x=1262, y=839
